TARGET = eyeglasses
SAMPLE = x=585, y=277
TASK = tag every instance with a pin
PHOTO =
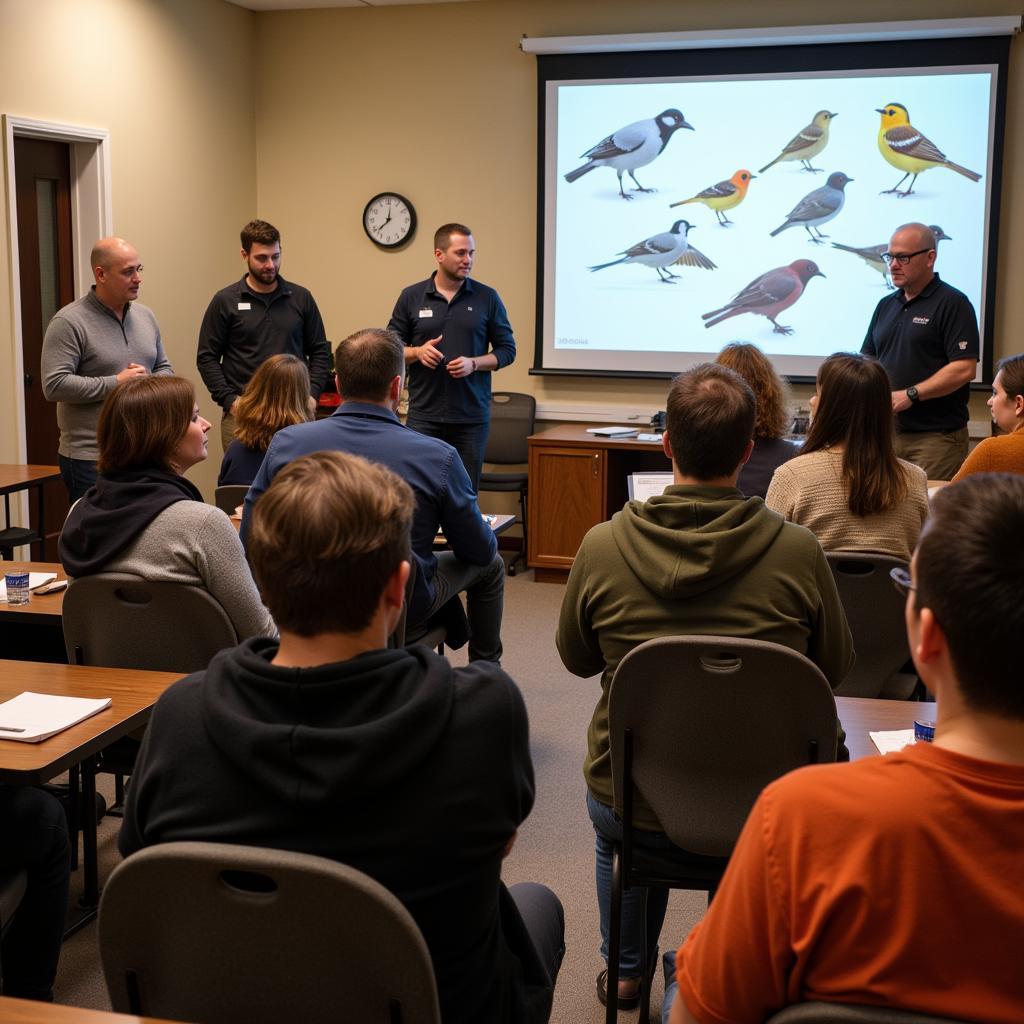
x=902, y=258
x=901, y=580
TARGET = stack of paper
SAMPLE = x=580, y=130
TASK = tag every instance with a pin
x=32, y=717
x=890, y=742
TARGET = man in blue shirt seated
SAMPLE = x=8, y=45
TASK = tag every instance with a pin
x=370, y=365
x=328, y=743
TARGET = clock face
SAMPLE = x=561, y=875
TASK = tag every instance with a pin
x=389, y=220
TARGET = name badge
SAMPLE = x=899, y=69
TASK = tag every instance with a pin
x=245, y=305
x=426, y=312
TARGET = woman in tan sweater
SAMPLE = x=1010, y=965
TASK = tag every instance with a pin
x=1005, y=453
x=848, y=487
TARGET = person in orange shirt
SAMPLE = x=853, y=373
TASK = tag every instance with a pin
x=1005, y=453
x=895, y=881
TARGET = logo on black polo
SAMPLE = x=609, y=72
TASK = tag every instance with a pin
x=922, y=320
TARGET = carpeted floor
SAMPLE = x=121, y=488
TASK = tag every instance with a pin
x=555, y=844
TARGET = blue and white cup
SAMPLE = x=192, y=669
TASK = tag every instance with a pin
x=17, y=587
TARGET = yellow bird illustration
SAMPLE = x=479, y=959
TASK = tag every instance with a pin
x=723, y=196
x=910, y=151
x=807, y=143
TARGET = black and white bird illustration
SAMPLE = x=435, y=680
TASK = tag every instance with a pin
x=818, y=207
x=872, y=254
x=631, y=147
x=662, y=251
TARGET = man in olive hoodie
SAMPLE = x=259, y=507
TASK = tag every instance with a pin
x=330, y=743
x=699, y=559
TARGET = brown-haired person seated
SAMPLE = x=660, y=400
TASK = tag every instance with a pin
x=329, y=743
x=277, y=396
x=848, y=487
x=1005, y=453
x=896, y=881
x=143, y=517
x=771, y=449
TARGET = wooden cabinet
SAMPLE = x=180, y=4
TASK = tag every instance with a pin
x=576, y=481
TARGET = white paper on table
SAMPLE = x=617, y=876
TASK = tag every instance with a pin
x=644, y=486
x=892, y=741
x=35, y=579
x=32, y=717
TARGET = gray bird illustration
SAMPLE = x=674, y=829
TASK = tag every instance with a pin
x=662, y=251
x=631, y=147
x=818, y=207
x=872, y=254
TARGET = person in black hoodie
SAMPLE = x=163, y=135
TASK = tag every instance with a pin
x=329, y=743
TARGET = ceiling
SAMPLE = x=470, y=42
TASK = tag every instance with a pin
x=299, y=5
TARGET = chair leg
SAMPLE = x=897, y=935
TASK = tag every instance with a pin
x=646, y=973
x=614, y=935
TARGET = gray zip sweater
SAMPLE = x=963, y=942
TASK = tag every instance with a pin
x=84, y=350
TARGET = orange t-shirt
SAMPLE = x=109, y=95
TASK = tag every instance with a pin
x=1002, y=454
x=895, y=881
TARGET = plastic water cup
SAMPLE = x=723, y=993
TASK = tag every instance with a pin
x=17, y=587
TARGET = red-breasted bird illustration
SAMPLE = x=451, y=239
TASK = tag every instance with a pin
x=768, y=295
x=726, y=195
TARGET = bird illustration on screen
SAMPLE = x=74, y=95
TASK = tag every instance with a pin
x=910, y=151
x=726, y=195
x=662, y=251
x=631, y=147
x=807, y=143
x=872, y=254
x=768, y=295
x=818, y=207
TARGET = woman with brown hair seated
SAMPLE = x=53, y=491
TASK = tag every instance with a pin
x=1005, y=452
x=848, y=487
x=771, y=449
x=143, y=517
x=277, y=396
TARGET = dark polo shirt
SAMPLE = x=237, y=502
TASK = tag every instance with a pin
x=472, y=324
x=914, y=340
x=243, y=328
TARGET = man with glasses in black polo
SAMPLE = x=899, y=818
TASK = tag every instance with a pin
x=925, y=334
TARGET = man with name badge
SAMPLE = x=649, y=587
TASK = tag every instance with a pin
x=925, y=334
x=456, y=332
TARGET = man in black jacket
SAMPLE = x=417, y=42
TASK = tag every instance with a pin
x=329, y=743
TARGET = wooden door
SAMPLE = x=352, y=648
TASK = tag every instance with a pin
x=567, y=498
x=43, y=186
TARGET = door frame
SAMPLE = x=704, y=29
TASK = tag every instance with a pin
x=91, y=218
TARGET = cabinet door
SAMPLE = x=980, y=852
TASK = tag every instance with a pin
x=567, y=488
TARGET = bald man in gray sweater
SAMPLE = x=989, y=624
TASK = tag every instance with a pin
x=90, y=346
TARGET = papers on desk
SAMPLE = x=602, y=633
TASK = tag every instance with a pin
x=643, y=486
x=35, y=579
x=892, y=741
x=612, y=431
x=33, y=717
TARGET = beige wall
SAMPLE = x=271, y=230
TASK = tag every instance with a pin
x=171, y=81
x=439, y=103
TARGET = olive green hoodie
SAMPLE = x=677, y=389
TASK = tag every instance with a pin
x=695, y=560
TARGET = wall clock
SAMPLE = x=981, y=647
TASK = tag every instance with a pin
x=389, y=220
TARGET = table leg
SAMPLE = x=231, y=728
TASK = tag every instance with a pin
x=41, y=510
x=90, y=867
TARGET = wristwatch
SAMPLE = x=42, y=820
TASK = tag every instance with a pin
x=912, y=394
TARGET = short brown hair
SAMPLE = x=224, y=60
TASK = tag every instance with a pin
x=142, y=421
x=710, y=420
x=855, y=411
x=443, y=235
x=967, y=570
x=276, y=396
x=260, y=232
x=771, y=393
x=326, y=536
x=366, y=362
x=1012, y=369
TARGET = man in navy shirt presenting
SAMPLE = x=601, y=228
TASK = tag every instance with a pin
x=455, y=331
x=925, y=334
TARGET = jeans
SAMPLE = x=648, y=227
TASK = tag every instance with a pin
x=668, y=964
x=485, y=600
x=468, y=439
x=78, y=476
x=542, y=915
x=35, y=838
x=607, y=828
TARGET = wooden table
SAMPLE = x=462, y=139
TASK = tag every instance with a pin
x=861, y=715
x=26, y=1011
x=42, y=609
x=133, y=694
x=22, y=478
x=578, y=480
